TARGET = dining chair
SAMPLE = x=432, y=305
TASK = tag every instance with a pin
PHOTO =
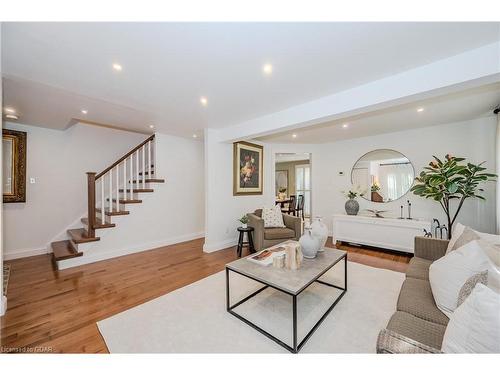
x=291, y=206
x=300, y=206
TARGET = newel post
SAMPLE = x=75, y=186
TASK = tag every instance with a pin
x=91, y=203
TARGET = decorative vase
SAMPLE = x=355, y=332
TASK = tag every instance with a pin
x=282, y=196
x=320, y=231
x=352, y=207
x=309, y=244
x=244, y=226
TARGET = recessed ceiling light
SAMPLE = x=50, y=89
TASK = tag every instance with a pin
x=12, y=116
x=420, y=109
x=84, y=111
x=204, y=101
x=345, y=125
x=117, y=67
x=9, y=110
x=195, y=136
x=267, y=69
x=151, y=126
x=294, y=135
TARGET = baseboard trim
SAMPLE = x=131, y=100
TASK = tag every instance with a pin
x=210, y=248
x=24, y=253
x=90, y=257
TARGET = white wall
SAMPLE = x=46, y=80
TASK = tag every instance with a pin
x=3, y=301
x=222, y=208
x=58, y=161
x=498, y=172
x=173, y=213
x=474, y=140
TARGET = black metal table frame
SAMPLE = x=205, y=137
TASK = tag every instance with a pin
x=296, y=346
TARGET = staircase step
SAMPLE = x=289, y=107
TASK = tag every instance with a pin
x=79, y=235
x=137, y=190
x=113, y=213
x=98, y=224
x=126, y=201
x=64, y=250
x=148, y=180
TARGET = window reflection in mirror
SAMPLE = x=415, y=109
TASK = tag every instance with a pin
x=384, y=175
x=7, y=165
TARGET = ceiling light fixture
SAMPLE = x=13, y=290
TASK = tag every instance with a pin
x=12, y=117
x=267, y=69
x=84, y=111
x=195, y=136
x=204, y=101
x=9, y=110
x=345, y=125
x=420, y=109
x=151, y=126
x=294, y=135
x=117, y=67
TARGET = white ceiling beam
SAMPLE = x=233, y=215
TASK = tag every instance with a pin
x=466, y=70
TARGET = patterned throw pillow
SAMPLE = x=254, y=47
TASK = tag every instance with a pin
x=273, y=218
x=470, y=284
x=468, y=235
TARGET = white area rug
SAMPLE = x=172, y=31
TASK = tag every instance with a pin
x=194, y=319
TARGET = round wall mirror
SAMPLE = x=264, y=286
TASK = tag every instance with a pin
x=383, y=175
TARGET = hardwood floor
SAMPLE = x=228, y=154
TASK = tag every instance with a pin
x=57, y=311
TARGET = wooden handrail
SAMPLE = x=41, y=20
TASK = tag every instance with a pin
x=99, y=175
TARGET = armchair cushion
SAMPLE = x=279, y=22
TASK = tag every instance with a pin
x=278, y=233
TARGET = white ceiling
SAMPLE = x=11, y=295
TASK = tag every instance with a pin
x=55, y=69
x=466, y=105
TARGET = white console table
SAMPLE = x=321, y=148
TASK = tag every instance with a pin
x=386, y=233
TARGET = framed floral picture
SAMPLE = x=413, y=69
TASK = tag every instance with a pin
x=248, y=162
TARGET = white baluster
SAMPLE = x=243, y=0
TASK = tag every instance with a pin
x=125, y=178
x=131, y=176
x=149, y=159
x=116, y=187
x=110, y=178
x=144, y=167
x=102, y=200
x=137, y=168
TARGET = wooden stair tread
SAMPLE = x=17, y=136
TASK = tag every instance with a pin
x=64, y=250
x=79, y=235
x=148, y=180
x=98, y=224
x=113, y=213
x=127, y=201
x=137, y=190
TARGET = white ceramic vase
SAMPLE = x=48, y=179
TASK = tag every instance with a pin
x=309, y=244
x=320, y=231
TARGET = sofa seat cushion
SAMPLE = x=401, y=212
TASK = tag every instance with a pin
x=419, y=268
x=416, y=298
x=420, y=330
x=278, y=233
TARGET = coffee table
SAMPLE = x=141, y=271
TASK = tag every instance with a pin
x=289, y=282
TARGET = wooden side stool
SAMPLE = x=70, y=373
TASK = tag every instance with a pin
x=241, y=242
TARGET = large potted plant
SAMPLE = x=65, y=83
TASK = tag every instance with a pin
x=451, y=180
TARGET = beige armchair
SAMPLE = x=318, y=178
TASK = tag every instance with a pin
x=266, y=237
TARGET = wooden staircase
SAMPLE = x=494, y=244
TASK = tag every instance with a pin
x=109, y=192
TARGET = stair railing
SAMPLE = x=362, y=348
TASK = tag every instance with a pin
x=134, y=166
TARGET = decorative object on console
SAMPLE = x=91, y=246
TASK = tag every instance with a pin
x=377, y=213
x=244, y=221
x=247, y=168
x=352, y=206
x=282, y=193
x=320, y=231
x=310, y=244
x=451, y=180
x=409, y=209
x=14, y=166
x=401, y=217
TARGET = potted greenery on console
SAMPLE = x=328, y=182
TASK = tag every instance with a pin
x=352, y=205
x=450, y=181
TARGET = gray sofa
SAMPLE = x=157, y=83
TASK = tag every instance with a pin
x=417, y=326
x=266, y=237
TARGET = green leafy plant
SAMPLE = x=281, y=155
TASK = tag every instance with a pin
x=375, y=187
x=282, y=189
x=353, y=193
x=451, y=180
x=243, y=219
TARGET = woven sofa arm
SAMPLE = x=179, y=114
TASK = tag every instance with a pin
x=390, y=342
x=430, y=248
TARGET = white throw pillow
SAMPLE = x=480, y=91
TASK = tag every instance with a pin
x=448, y=274
x=474, y=327
x=493, y=241
x=273, y=218
x=458, y=229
